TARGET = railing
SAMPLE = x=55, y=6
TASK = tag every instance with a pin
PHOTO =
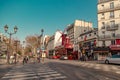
x=112, y=27
x=108, y=9
x=103, y=27
x=102, y=1
x=109, y=37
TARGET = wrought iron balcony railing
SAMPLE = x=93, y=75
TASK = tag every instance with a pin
x=108, y=9
x=112, y=27
x=109, y=37
x=103, y=27
x=103, y=1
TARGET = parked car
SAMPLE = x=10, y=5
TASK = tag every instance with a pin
x=54, y=57
x=113, y=59
x=63, y=58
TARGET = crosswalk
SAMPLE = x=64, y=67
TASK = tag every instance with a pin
x=33, y=72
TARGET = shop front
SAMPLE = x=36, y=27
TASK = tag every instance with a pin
x=100, y=53
x=114, y=49
x=66, y=50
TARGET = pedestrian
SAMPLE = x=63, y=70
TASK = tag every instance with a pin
x=38, y=59
x=24, y=60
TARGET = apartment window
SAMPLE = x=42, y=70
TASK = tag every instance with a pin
x=103, y=25
x=112, y=23
x=113, y=34
x=103, y=43
x=81, y=37
x=89, y=34
x=103, y=17
x=103, y=32
x=94, y=33
x=112, y=14
x=102, y=5
x=112, y=5
x=112, y=42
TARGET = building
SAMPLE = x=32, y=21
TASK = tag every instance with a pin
x=54, y=41
x=109, y=24
x=78, y=27
x=86, y=42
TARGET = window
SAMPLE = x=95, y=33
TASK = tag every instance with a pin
x=89, y=34
x=112, y=5
x=103, y=17
x=103, y=43
x=112, y=14
x=94, y=33
x=113, y=34
x=112, y=42
x=103, y=23
x=102, y=5
x=103, y=32
x=112, y=23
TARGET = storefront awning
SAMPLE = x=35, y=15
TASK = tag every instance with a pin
x=114, y=47
x=101, y=49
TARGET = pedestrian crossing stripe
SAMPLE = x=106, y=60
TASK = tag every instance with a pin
x=60, y=77
x=24, y=78
x=43, y=73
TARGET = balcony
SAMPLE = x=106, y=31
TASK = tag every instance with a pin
x=109, y=37
x=103, y=1
x=117, y=36
x=112, y=27
x=111, y=17
x=103, y=27
x=108, y=9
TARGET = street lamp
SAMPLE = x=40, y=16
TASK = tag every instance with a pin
x=16, y=44
x=42, y=30
x=10, y=34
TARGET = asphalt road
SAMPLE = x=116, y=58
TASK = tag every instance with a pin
x=60, y=70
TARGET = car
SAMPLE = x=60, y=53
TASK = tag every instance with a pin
x=63, y=58
x=113, y=59
x=54, y=57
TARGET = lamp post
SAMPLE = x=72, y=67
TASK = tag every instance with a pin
x=10, y=34
x=16, y=44
x=42, y=45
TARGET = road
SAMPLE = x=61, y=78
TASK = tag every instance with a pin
x=63, y=70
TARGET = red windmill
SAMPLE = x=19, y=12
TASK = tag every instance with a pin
x=63, y=36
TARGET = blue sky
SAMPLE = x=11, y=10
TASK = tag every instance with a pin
x=30, y=16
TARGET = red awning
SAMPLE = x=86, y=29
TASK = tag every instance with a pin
x=69, y=46
x=114, y=47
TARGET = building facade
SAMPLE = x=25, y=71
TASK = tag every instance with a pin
x=77, y=28
x=108, y=22
x=53, y=42
x=86, y=42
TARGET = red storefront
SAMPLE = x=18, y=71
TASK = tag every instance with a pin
x=66, y=50
x=116, y=47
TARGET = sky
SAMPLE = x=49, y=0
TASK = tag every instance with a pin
x=30, y=16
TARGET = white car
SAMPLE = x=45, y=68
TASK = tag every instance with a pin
x=113, y=59
x=63, y=58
